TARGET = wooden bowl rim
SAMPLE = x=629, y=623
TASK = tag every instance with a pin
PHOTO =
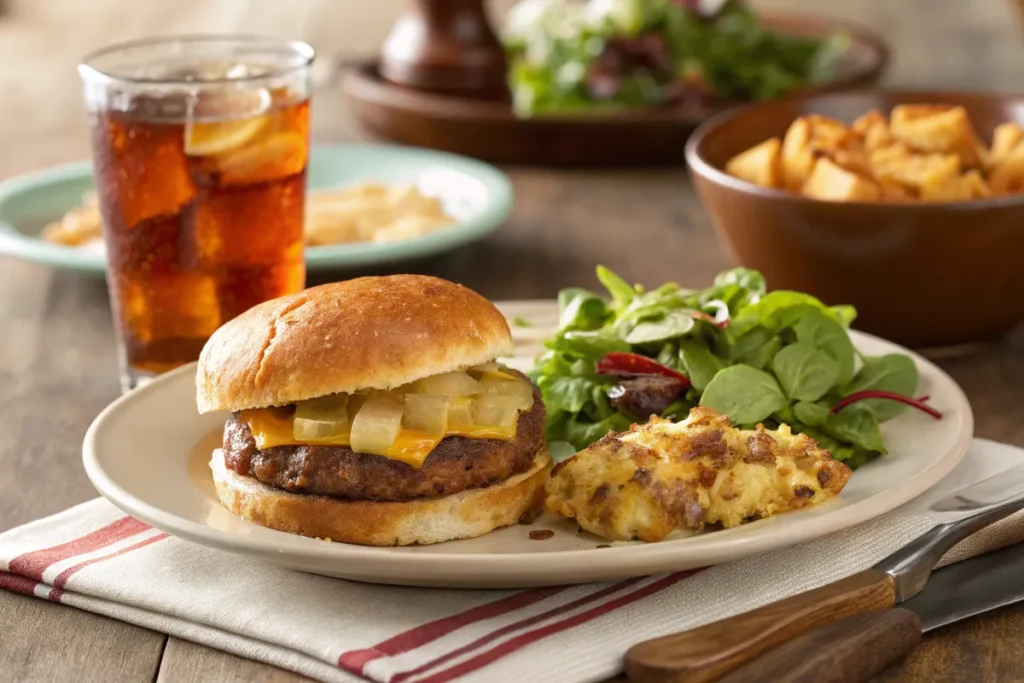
x=363, y=82
x=700, y=166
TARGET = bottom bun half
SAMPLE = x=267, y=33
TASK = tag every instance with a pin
x=467, y=514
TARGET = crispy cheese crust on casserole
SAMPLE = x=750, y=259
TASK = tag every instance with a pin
x=661, y=476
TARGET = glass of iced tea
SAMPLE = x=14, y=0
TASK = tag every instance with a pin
x=199, y=149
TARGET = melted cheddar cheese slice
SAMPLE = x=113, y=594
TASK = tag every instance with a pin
x=273, y=427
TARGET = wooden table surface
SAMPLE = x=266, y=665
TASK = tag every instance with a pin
x=57, y=364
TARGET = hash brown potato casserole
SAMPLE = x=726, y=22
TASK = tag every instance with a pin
x=661, y=476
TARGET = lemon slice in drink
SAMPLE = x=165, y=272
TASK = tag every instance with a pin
x=206, y=139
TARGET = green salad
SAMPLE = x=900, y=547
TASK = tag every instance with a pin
x=757, y=356
x=569, y=55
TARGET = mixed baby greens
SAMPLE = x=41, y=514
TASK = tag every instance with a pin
x=571, y=55
x=756, y=356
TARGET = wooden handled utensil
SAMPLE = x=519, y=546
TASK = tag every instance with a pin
x=712, y=651
x=853, y=649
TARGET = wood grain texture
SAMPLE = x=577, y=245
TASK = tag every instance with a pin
x=851, y=650
x=43, y=641
x=185, y=662
x=57, y=363
x=709, y=652
x=985, y=649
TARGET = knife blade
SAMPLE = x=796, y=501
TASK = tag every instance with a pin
x=709, y=652
x=971, y=587
x=857, y=648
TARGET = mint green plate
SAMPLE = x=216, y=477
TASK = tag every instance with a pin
x=478, y=195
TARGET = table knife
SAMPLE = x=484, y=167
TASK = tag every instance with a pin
x=709, y=652
x=858, y=648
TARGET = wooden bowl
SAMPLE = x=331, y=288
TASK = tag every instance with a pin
x=919, y=274
x=489, y=130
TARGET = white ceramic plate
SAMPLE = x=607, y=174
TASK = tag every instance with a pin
x=148, y=453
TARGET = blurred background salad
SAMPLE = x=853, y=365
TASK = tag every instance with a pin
x=579, y=55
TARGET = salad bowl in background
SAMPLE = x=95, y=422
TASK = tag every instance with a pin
x=490, y=129
x=923, y=274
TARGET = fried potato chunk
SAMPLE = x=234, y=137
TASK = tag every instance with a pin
x=808, y=138
x=970, y=185
x=760, y=164
x=898, y=165
x=873, y=129
x=937, y=128
x=832, y=182
x=662, y=476
x=1005, y=139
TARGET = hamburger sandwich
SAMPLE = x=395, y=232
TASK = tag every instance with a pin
x=373, y=411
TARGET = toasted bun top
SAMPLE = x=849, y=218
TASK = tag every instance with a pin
x=366, y=333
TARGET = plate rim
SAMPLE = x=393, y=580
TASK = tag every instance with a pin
x=629, y=559
x=501, y=198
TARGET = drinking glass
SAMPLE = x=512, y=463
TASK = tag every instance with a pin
x=200, y=146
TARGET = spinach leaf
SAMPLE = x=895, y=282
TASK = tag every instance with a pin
x=822, y=332
x=652, y=305
x=782, y=308
x=594, y=344
x=745, y=394
x=669, y=326
x=677, y=410
x=813, y=414
x=733, y=290
x=785, y=415
x=747, y=278
x=755, y=348
x=893, y=372
x=805, y=373
x=858, y=427
x=741, y=346
x=580, y=309
x=569, y=394
x=669, y=355
x=560, y=450
x=581, y=433
x=854, y=457
x=762, y=355
x=698, y=363
x=622, y=292
x=844, y=315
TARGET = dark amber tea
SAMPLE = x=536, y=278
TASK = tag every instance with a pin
x=201, y=175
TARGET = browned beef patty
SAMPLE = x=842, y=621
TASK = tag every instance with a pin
x=456, y=464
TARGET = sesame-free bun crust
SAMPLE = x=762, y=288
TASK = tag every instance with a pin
x=366, y=333
x=467, y=514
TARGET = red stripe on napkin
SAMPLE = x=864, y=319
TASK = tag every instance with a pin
x=33, y=564
x=516, y=626
x=17, y=584
x=62, y=578
x=355, y=660
x=524, y=639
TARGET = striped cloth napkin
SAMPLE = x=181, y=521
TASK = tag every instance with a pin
x=95, y=558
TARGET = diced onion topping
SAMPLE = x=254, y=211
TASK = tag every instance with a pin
x=497, y=410
x=482, y=402
x=485, y=367
x=518, y=392
x=377, y=424
x=321, y=418
x=450, y=384
x=426, y=413
x=460, y=412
